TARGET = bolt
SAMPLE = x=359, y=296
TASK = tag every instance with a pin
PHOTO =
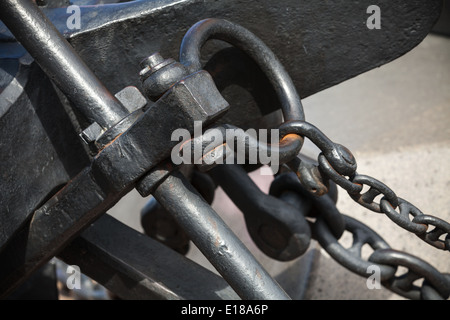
x=153, y=63
x=91, y=133
x=159, y=75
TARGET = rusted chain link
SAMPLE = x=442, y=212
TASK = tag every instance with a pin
x=417, y=269
x=330, y=225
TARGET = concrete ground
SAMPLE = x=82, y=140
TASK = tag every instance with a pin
x=395, y=120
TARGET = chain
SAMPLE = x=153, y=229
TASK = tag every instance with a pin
x=328, y=225
x=436, y=285
x=337, y=163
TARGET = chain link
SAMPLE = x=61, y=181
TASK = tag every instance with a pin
x=432, y=237
x=417, y=269
x=435, y=286
x=401, y=218
x=328, y=171
x=351, y=258
x=428, y=292
x=376, y=188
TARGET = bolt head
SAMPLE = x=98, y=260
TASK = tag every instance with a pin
x=152, y=60
x=153, y=63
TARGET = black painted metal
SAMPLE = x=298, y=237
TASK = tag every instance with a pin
x=317, y=49
x=337, y=163
x=216, y=241
x=128, y=154
x=319, y=43
x=133, y=153
x=416, y=269
x=42, y=285
x=159, y=225
x=339, y=156
x=60, y=62
x=308, y=203
x=50, y=152
x=100, y=185
x=351, y=258
x=431, y=237
x=111, y=175
x=330, y=225
x=134, y=266
x=277, y=228
x=53, y=225
x=243, y=39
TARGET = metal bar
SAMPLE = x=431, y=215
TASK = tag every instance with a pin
x=60, y=62
x=216, y=241
x=134, y=266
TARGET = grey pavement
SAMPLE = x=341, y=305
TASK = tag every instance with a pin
x=395, y=120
